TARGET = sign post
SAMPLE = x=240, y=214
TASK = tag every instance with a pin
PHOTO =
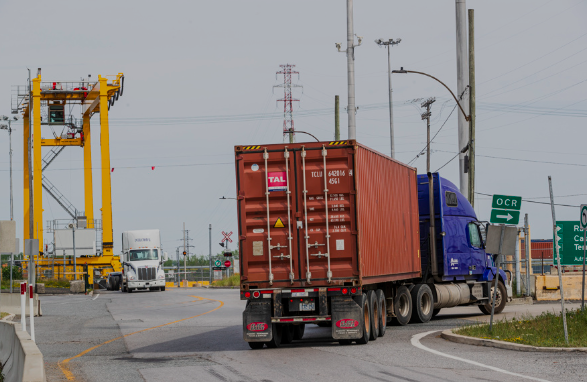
x=583, y=221
x=226, y=239
x=558, y=260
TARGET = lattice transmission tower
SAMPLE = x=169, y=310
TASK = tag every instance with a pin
x=288, y=100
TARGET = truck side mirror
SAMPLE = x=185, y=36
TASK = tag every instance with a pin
x=165, y=256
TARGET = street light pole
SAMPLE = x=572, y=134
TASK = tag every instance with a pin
x=9, y=128
x=389, y=43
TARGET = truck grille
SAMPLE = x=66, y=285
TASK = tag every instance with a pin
x=147, y=273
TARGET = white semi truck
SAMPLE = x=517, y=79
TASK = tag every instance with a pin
x=142, y=261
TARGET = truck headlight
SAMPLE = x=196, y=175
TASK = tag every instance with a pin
x=132, y=277
x=161, y=276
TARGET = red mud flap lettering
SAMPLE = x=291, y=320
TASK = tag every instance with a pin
x=347, y=319
x=257, y=322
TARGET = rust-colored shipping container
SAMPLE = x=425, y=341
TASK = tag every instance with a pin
x=324, y=214
x=541, y=249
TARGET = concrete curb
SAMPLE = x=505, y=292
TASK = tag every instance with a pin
x=450, y=336
x=9, y=317
x=521, y=301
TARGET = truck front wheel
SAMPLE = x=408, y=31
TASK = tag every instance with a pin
x=500, y=299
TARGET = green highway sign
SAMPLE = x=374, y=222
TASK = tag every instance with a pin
x=505, y=217
x=505, y=202
x=570, y=242
x=583, y=217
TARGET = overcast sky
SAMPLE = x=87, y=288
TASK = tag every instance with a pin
x=200, y=76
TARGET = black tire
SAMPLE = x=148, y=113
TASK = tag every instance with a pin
x=422, y=303
x=287, y=334
x=256, y=345
x=435, y=312
x=382, y=312
x=299, y=331
x=345, y=342
x=123, y=289
x=276, y=340
x=366, y=321
x=500, y=301
x=162, y=289
x=128, y=290
x=373, y=315
x=402, y=305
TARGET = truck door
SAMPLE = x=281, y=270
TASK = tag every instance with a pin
x=477, y=250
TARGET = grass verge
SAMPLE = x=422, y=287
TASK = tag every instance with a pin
x=545, y=330
x=233, y=280
x=3, y=314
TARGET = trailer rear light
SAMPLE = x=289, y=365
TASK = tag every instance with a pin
x=297, y=290
x=353, y=290
x=256, y=294
x=333, y=289
x=266, y=291
x=345, y=291
x=247, y=294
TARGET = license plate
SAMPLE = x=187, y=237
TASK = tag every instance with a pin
x=307, y=306
x=299, y=294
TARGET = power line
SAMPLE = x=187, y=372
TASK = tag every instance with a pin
x=535, y=202
x=427, y=143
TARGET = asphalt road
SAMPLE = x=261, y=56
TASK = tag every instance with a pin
x=196, y=334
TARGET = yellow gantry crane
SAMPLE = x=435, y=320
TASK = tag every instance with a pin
x=47, y=107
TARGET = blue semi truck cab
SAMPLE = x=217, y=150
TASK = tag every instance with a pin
x=460, y=247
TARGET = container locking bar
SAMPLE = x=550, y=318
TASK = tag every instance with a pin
x=327, y=254
x=265, y=157
x=289, y=238
x=308, y=273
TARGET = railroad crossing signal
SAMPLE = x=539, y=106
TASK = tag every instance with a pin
x=185, y=253
x=217, y=263
x=506, y=209
x=227, y=236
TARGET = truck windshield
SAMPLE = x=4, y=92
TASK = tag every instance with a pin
x=143, y=254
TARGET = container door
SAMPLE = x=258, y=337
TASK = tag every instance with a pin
x=265, y=217
x=326, y=217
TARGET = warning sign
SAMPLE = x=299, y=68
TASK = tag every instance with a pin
x=279, y=224
x=277, y=181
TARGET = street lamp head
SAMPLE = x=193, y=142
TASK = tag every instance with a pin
x=400, y=71
x=4, y=127
x=5, y=118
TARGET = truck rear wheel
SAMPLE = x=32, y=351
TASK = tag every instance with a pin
x=256, y=345
x=402, y=305
x=276, y=340
x=162, y=289
x=287, y=334
x=366, y=321
x=435, y=312
x=299, y=331
x=382, y=312
x=422, y=303
x=373, y=315
x=500, y=299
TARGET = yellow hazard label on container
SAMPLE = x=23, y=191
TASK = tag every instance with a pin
x=278, y=224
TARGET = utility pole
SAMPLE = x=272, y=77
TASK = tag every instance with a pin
x=432, y=229
x=350, y=54
x=210, y=250
x=462, y=82
x=336, y=119
x=185, y=274
x=472, y=107
x=389, y=43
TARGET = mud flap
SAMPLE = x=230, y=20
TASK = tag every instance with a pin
x=347, y=318
x=257, y=322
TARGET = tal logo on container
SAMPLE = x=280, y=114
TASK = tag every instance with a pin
x=347, y=323
x=257, y=327
x=277, y=181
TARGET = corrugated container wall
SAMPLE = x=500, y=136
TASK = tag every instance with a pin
x=325, y=213
x=541, y=249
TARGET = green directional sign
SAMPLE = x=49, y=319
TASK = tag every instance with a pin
x=506, y=209
x=217, y=263
x=570, y=242
x=505, y=202
x=505, y=217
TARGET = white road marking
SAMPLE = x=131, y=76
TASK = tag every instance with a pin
x=416, y=342
x=98, y=295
